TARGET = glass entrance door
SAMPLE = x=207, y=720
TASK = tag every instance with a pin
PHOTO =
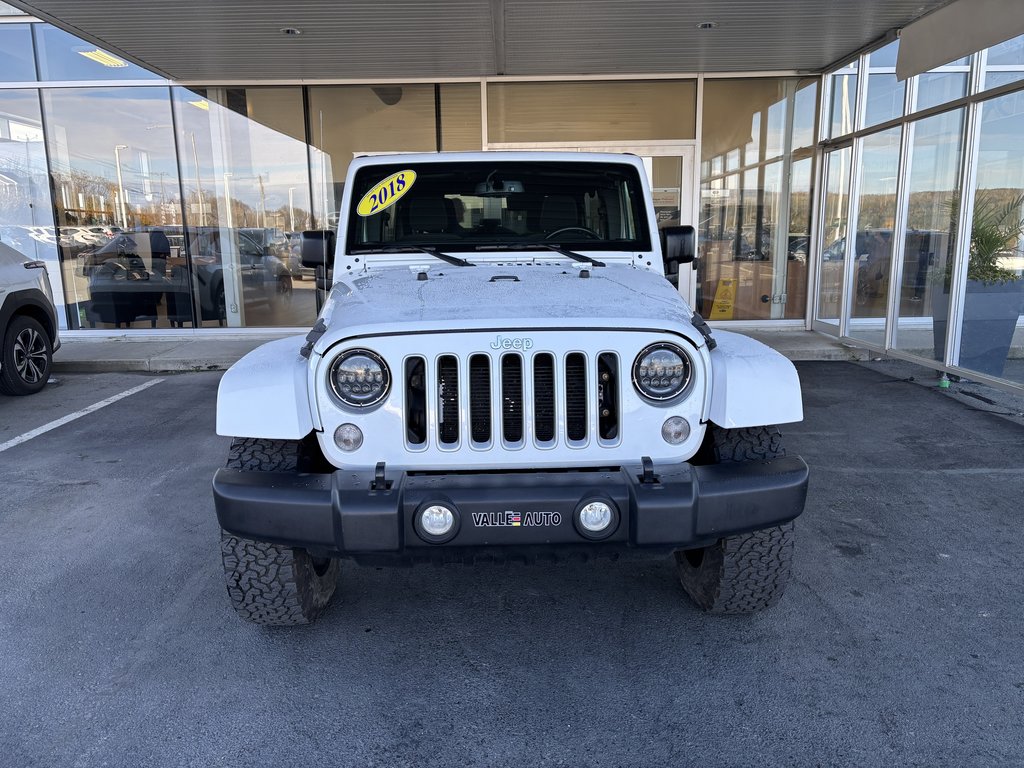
x=834, y=248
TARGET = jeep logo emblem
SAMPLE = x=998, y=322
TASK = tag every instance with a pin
x=519, y=342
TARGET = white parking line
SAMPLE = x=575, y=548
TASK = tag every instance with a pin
x=76, y=415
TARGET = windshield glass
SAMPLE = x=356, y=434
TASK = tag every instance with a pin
x=462, y=206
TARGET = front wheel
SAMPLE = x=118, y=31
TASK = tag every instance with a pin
x=275, y=585
x=27, y=357
x=748, y=572
x=269, y=583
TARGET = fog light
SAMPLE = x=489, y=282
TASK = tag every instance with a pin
x=348, y=437
x=675, y=430
x=596, y=516
x=437, y=520
x=436, y=523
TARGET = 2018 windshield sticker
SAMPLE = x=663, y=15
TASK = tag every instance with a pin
x=386, y=193
x=512, y=519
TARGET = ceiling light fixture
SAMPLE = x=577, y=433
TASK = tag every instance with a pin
x=291, y=31
x=104, y=58
x=707, y=25
x=201, y=104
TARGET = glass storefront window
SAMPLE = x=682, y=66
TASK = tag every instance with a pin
x=805, y=113
x=115, y=181
x=1005, y=63
x=26, y=219
x=844, y=101
x=562, y=112
x=876, y=219
x=885, y=99
x=994, y=300
x=347, y=120
x=934, y=88
x=63, y=56
x=885, y=92
x=16, y=61
x=242, y=153
x=834, y=229
x=933, y=181
x=755, y=206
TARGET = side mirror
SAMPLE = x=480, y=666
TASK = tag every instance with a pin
x=317, y=247
x=678, y=246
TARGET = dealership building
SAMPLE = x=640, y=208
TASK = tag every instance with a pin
x=854, y=168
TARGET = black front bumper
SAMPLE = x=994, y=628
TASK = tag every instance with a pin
x=349, y=513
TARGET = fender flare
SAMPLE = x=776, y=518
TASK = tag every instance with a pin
x=265, y=394
x=752, y=384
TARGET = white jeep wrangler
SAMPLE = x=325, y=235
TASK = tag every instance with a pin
x=501, y=369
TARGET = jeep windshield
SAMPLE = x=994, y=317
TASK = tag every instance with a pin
x=470, y=206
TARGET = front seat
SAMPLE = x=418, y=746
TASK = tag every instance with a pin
x=558, y=212
x=427, y=216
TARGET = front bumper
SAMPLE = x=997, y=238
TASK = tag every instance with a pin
x=351, y=514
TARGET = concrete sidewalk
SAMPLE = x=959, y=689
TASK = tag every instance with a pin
x=81, y=354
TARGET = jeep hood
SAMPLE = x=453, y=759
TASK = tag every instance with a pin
x=542, y=294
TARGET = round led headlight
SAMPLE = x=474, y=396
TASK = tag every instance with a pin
x=661, y=372
x=360, y=378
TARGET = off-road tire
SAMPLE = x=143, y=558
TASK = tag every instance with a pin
x=27, y=357
x=748, y=572
x=269, y=583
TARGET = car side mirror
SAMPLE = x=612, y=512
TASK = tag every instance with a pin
x=317, y=247
x=678, y=246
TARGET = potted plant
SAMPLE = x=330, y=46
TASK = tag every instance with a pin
x=995, y=293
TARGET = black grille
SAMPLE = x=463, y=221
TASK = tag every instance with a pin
x=608, y=396
x=480, y=398
x=512, y=398
x=448, y=399
x=576, y=396
x=547, y=397
x=416, y=400
x=544, y=397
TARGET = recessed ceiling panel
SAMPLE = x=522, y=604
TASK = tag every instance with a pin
x=235, y=41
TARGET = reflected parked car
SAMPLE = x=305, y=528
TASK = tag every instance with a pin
x=136, y=272
x=265, y=278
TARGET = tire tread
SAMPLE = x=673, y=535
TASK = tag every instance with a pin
x=748, y=572
x=268, y=583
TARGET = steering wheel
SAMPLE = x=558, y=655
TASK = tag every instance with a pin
x=591, y=234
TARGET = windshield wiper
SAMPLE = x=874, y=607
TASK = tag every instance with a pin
x=546, y=246
x=572, y=254
x=446, y=257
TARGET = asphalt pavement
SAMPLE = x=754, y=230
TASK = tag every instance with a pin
x=898, y=642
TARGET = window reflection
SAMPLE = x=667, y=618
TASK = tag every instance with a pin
x=994, y=298
x=26, y=221
x=16, y=60
x=933, y=183
x=63, y=56
x=755, y=198
x=834, y=231
x=246, y=195
x=844, y=100
x=1005, y=63
x=885, y=92
x=876, y=220
x=115, y=181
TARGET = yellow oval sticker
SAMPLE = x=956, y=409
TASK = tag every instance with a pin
x=386, y=193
